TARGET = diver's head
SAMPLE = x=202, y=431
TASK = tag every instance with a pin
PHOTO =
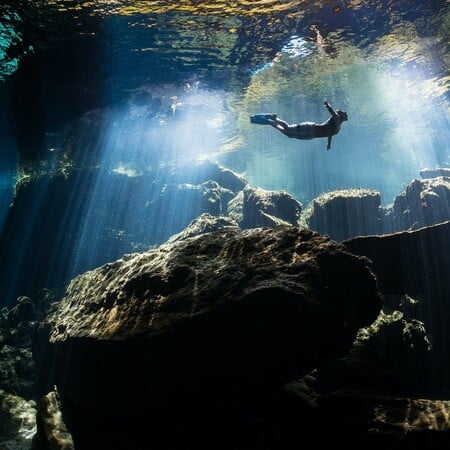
x=342, y=115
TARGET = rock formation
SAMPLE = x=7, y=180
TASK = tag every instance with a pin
x=424, y=202
x=16, y=362
x=205, y=223
x=376, y=395
x=17, y=421
x=256, y=207
x=416, y=264
x=391, y=389
x=410, y=262
x=344, y=214
x=212, y=332
x=187, y=342
x=53, y=429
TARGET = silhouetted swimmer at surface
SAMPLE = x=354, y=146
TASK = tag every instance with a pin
x=305, y=130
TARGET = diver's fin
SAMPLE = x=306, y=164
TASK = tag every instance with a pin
x=263, y=119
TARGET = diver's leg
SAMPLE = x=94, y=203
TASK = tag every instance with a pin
x=279, y=124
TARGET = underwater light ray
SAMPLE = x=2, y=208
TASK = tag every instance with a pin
x=6, y=196
x=129, y=147
x=53, y=208
x=414, y=116
x=20, y=249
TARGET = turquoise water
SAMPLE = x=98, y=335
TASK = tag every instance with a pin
x=128, y=86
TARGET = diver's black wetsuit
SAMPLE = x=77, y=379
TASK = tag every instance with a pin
x=311, y=130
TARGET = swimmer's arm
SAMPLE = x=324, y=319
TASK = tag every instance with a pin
x=329, y=142
x=330, y=109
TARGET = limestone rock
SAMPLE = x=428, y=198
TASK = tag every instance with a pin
x=417, y=264
x=180, y=337
x=344, y=214
x=379, y=395
x=107, y=299
x=410, y=262
x=256, y=207
x=17, y=421
x=205, y=223
x=50, y=418
x=424, y=202
x=391, y=357
x=16, y=362
x=388, y=421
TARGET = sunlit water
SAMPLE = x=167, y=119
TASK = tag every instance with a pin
x=178, y=82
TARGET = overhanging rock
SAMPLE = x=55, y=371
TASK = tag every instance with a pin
x=201, y=322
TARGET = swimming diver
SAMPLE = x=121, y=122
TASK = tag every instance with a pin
x=306, y=130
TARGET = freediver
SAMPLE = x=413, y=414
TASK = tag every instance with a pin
x=305, y=130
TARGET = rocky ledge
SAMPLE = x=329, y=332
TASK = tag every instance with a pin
x=179, y=344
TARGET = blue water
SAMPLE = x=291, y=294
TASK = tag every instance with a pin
x=384, y=63
x=130, y=86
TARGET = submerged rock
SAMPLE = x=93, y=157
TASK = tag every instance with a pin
x=391, y=357
x=256, y=207
x=375, y=396
x=349, y=213
x=17, y=422
x=417, y=264
x=54, y=430
x=16, y=362
x=344, y=214
x=409, y=262
x=423, y=203
x=205, y=223
x=371, y=421
x=188, y=337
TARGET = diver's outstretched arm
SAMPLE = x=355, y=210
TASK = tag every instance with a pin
x=330, y=109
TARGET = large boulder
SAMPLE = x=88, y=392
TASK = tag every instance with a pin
x=344, y=214
x=174, y=346
x=256, y=207
x=416, y=264
x=424, y=202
